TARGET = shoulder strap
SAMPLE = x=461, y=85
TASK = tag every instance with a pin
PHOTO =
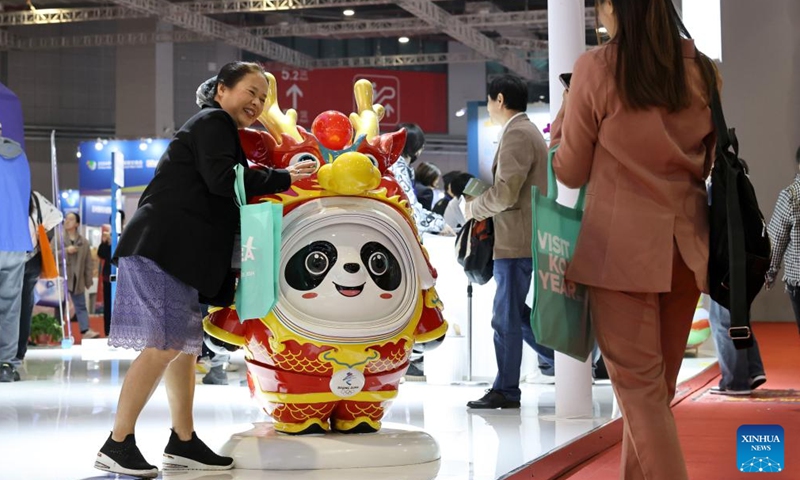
x=35, y=201
x=723, y=138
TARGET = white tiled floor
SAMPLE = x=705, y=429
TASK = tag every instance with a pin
x=53, y=422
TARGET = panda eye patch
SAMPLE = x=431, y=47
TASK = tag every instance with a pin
x=383, y=267
x=307, y=268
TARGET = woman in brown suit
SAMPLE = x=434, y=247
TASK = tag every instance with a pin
x=636, y=129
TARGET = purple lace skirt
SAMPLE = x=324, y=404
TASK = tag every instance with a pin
x=154, y=309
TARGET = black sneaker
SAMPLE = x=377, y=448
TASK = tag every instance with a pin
x=125, y=458
x=757, y=381
x=8, y=373
x=414, y=373
x=192, y=455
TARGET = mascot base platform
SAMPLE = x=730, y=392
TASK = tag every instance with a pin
x=262, y=448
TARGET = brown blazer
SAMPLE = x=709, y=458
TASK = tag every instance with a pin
x=79, y=265
x=520, y=163
x=645, y=174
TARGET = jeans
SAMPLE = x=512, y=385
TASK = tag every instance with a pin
x=794, y=295
x=79, y=301
x=12, y=270
x=33, y=268
x=511, y=321
x=737, y=366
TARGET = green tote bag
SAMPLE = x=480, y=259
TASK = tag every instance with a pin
x=560, y=315
x=257, y=290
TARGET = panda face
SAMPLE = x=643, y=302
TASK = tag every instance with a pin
x=309, y=267
x=349, y=273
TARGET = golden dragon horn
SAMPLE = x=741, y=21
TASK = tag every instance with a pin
x=275, y=121
x=367, y=120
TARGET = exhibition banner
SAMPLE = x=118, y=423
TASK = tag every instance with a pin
x=141, y=159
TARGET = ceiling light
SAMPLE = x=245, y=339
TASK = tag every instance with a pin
x=603, y=30
x=349, y=12
x=403, y=40
x=461, y=112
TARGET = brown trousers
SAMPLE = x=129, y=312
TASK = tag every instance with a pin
x=643, y=338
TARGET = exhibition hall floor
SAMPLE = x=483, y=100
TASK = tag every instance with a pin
x=53, y=422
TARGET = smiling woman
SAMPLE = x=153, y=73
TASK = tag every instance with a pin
x=178, y=246
x=242, y=91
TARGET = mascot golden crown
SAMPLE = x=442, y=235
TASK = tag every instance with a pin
x=356, y=285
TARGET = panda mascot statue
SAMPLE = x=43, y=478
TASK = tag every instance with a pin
x=356, y=287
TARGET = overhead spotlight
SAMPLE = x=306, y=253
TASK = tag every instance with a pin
x=403, y=40
x=143, y=146
x=461, y=112
x=349, y=12
x=603, y=30
x=98, y=146
x=79, y=154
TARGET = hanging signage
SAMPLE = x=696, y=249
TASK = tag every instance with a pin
x=96, y=210
x=95, y=166
x=416, y=97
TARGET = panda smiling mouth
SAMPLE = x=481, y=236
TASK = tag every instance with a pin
x=350, y=291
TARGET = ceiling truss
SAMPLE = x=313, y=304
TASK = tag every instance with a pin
x=108, y=40
x=180, y=16
x=400, y=25
x=52, y=16
x=472, y=38
x=195, y=26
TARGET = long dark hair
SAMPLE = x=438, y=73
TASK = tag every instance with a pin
x=649, y=69
x=415, y=140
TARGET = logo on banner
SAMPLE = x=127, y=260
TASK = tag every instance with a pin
x=760, y=449
x=387, y=93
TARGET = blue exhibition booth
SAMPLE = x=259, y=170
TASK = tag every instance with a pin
x=95, y=173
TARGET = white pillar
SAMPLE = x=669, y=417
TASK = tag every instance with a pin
x=466, y=82
x=566, y=25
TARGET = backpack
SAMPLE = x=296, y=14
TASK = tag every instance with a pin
x=475, y=250
x=739, y=247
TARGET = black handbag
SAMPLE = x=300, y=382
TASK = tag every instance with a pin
x=739, y=247
x=475, y=250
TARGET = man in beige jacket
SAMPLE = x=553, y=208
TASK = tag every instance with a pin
x=520, y=163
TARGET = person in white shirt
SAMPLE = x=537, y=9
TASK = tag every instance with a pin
x=454, y=213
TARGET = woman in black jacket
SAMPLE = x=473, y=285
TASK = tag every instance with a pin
x=178, y=247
